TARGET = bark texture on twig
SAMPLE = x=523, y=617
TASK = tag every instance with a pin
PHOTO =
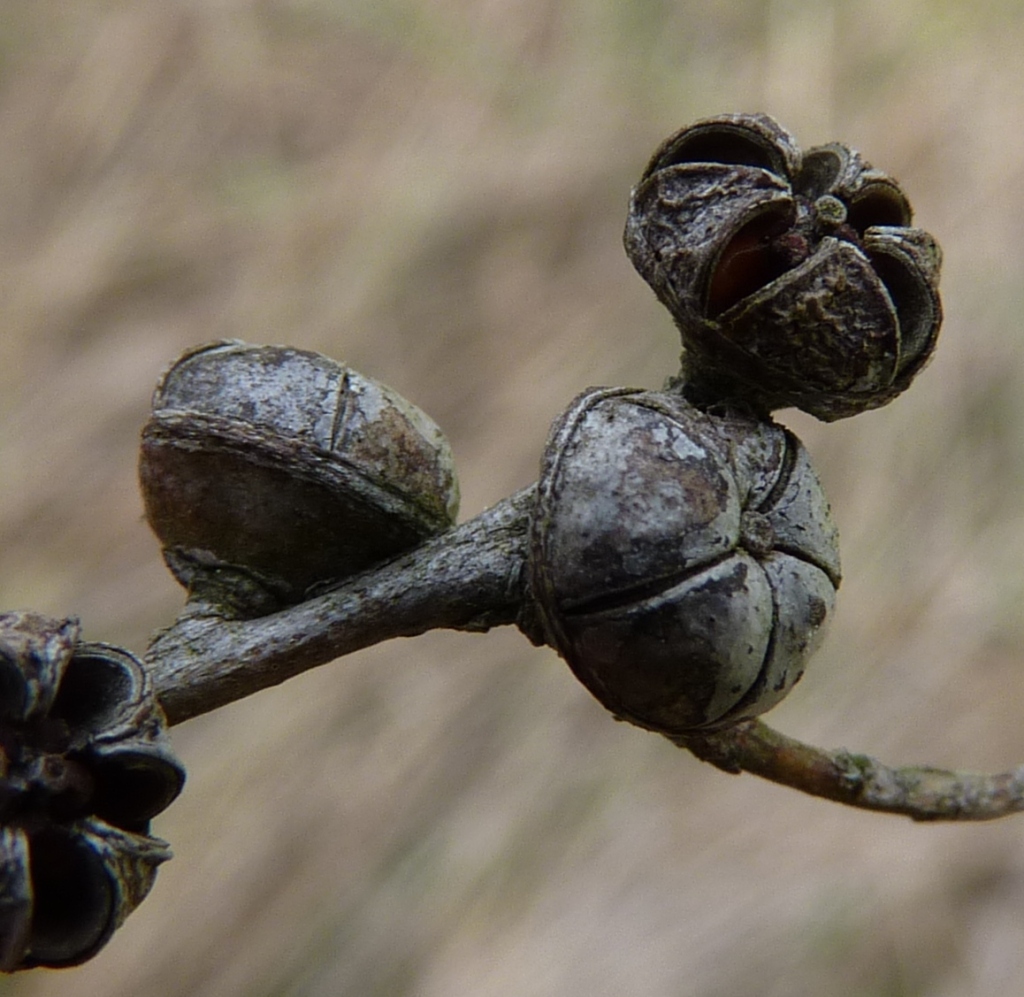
x=472, y=578
x=919, y=792
x=469, y=578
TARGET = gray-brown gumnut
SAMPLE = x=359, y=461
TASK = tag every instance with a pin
x=85, y=763
x=269, y=470
x=683, y=563
x=795, y=277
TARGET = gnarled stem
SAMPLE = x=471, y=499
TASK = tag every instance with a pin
x=471, y=578
x=919, y=792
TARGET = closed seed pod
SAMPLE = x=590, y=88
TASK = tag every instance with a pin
x=684, y=564
x=268, y=470
x=84, y=766
x=795, y=278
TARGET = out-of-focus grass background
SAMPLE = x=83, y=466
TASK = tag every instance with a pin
x=433, y=191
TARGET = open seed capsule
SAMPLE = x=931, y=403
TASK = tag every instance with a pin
x=795, y=277
x=85, y=765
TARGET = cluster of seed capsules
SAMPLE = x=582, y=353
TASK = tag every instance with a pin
x=682, y=559
x=685, y=561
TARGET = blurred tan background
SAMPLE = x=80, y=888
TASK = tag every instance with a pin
x=433, y=191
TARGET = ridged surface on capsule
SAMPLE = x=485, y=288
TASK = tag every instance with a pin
x=84, y=765
x=684, y=564
x=289, y=466
x=795, y=277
